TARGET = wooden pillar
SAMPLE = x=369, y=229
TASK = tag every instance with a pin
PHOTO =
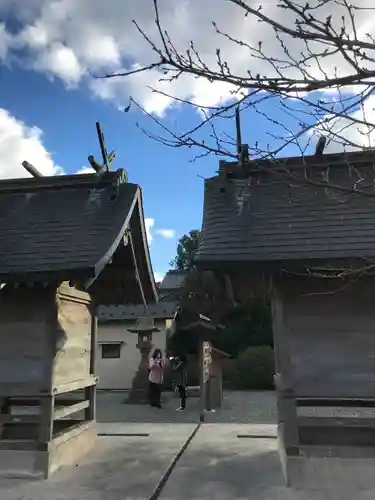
x=47, y=406
x=47, y=399
x=202, y=383
x=5, y=414
x=90, y=392
x=286, y=401
x=205, y=381
x=94, y=341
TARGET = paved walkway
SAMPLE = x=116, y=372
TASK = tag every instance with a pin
x=126, y=468
x=218, y=465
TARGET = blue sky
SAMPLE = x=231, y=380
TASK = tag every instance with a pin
x=49, y=103
x=172, y=190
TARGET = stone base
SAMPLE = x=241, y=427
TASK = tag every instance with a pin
x=63, y=450
x=329, y=468
x=315, y=473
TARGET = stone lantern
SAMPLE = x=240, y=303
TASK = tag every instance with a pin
x=144, y=328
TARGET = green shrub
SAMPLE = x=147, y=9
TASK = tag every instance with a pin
x=230, y=374
x=255, y=368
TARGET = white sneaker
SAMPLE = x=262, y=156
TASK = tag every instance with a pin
x=180, y=409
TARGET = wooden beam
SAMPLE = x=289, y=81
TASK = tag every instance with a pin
x=66, y=434
x=90, y=395
x=238, y=133
x=19, y=419
x=35, y=401
x=320, y=145
x=46, y=419
x=103, y=148
x=94, y=340
x=70, y=409
x=99, y=169
x=90, y=392
x=77, y=384
x=31, y=169
x=19, y=445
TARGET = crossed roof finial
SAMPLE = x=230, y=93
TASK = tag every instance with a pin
x=107, y=158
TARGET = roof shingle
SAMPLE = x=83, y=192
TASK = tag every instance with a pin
x=263, y=216
x=64, y=223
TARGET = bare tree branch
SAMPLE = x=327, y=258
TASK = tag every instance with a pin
x=312, y=75
x=317, y=71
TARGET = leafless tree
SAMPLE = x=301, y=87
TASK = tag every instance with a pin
x=315, y=68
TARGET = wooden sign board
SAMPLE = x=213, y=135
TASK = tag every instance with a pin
x=206, y=360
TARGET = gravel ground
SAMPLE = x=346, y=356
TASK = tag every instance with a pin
x=239, y=407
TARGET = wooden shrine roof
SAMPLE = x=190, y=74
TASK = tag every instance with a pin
x=267, y=212
x=76, y=228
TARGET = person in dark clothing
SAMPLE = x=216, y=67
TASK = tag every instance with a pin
x=181, y=379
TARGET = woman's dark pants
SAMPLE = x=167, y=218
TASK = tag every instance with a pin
x=154, y=394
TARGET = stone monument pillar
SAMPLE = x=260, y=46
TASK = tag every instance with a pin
x=144, y=328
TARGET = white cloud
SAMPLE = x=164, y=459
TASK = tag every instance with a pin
x=159, y=276
x=166, y=233
x=85, y=170
x=149, y=223
x=66, y=38
x=349, y=133
x=62, y=62
x=19, y=142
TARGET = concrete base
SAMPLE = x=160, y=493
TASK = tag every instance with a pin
x=320, y=468
x=19, y=464
x=62, y=450
x=316, y=473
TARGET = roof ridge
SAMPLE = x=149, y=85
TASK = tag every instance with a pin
x=59, y=181
x=331, y=159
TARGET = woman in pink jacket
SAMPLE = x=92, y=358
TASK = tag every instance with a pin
x=156, y=375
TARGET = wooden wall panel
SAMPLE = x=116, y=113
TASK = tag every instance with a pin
x=332, y=343
x=72, y=359
x=26, y=317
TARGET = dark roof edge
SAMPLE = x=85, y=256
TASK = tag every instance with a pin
x=59, y=181
x=100, y=265
x=145, y=246
x=206, y=262
x=323, y=160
